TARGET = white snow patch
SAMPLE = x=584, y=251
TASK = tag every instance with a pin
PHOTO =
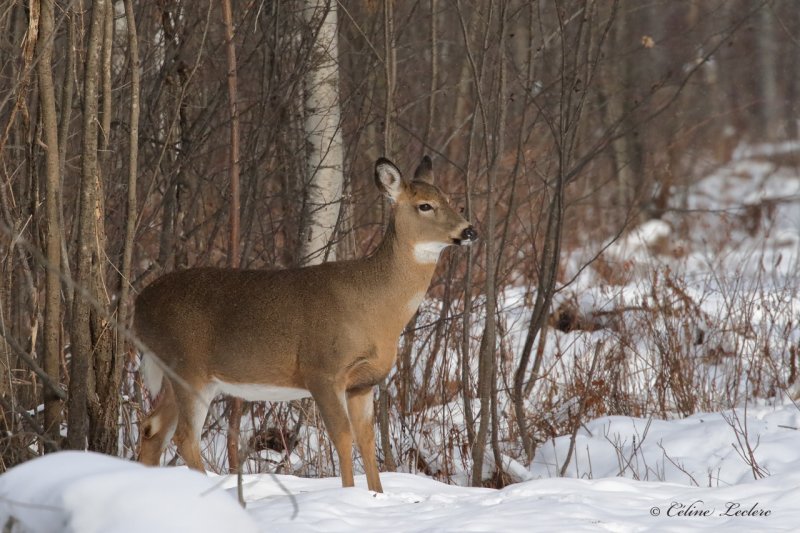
x=88, y=492
x=638, y=243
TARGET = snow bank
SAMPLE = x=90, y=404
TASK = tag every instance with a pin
x=413, y=503
x=706, y=449
x=89, y=492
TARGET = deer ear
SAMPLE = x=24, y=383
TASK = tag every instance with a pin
x=388, y=178
x=424, y=171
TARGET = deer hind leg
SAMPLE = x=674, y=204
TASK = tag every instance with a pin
x=332, y=405
x=193, y=403
x=360, y=409
x=159, y=426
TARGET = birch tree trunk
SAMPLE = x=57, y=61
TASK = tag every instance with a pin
x=324, y=170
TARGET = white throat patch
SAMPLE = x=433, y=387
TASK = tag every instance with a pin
x=428, y=252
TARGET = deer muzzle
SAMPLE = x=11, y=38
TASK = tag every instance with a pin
x=468, y=236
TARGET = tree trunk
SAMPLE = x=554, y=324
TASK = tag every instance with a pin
x=493, y=252
x=389, y=66
x=104, y=402
x=108, y=40
x=493, y=147
x=434, y=75
x=389, y=69
x=618, y=109
x=175, y=139
x=84, y=337
x=769, y=104
x=67, y=93
x=52, y=316
x=564, y=129
x=133, y=167
x=323, y=130
x=235, y=418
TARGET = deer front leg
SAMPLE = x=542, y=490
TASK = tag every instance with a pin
x=331, y=401
x=360, y=408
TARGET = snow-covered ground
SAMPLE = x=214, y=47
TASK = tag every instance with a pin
x=711, y=288
x=710, y=485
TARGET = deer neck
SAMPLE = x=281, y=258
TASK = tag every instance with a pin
x=403, y=270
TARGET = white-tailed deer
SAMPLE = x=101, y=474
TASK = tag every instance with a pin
x=328, y=331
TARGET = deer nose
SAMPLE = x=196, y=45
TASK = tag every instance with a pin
x=469, y=235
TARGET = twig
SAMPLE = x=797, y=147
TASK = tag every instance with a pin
x=31, y=421
x=34, y=366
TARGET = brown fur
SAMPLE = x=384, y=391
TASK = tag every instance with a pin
x=331, y=329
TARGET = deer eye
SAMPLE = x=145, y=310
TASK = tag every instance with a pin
x=424, y=207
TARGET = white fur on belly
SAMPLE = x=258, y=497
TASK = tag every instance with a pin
x=428, y=252
x=256, y=392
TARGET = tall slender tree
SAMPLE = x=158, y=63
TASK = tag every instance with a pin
x=52, y=315
x=90, y=340
x=235, y=418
